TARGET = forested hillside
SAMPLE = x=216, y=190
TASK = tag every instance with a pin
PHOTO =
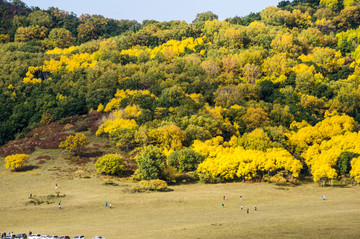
x=272, y=93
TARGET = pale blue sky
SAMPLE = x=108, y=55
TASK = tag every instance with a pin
x=160, y=10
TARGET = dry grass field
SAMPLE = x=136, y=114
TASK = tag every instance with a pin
x=189, y=211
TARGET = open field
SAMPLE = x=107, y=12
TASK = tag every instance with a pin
x=189, y=211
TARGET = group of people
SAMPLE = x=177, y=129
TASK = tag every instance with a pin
x=4, y=234
x=106, y=204
x=242, y=207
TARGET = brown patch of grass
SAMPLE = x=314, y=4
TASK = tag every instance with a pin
x=79, y=160
x=46, y=157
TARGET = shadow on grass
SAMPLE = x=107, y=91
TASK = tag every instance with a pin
x=337, y=186
x=92, y=154
x=27, y=168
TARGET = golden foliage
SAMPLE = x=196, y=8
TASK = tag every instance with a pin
x=16, y=161
x=74, y=143
x=236, y=162
x=355, y=169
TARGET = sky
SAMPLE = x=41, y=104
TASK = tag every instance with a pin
x=160, y=10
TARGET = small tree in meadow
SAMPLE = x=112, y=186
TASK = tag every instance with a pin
x=152, y=163
x=185, y=160
x=74, y=143
x=111, y=164
x=16, y=161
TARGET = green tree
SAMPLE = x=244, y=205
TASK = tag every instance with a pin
x=344, y=161
x=205, y=16
x=87, y=31
x=25, y=34
x=62, y=38
x=111, y=164
x=185, y=160
x=39, y=18
x=171, y=97
x=152, y=163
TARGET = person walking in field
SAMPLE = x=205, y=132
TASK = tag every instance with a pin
x=255, y=208
x=240, y=197
x=110, y=205
x=59, y=206
x=323, y=197
x=223, y=205
x=105, y=204
x=242, y=207
x=224, y=197
x=247, y=211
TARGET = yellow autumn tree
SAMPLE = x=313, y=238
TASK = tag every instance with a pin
x=326, y=58
x=333, y=4
x=322, y=158
x=74, y=143
x=235, y=162
x=168, y=137
x=355, y=169
x=277, y=65
x=306, y=135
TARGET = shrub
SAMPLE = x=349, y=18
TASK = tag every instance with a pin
x=137, y=189
x=16, y=161
x=111, y=164
x=278, y=179
x=110, y=182
x=185, y=160
x=152, y=163
x=74, y=143
x=208, y=178
x=154, y=185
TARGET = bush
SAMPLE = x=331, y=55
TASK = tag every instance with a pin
x=16, y=161
x=278, y=179
x=154, y=185
x=74, y=143
x=208, y=178
x=185, y=160
x=111, y=164
x=152, y=163
x=137, y=189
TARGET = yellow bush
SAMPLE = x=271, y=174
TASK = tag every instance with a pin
x=74, y=143
x=154, y=185
x=16, y=161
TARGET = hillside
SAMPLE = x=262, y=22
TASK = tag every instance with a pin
x=271, y=96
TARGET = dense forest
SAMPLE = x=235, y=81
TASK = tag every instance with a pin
x=271, y=94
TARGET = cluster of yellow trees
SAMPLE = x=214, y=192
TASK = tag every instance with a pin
x=67, y=61
x=253, y=98
x=170, y=49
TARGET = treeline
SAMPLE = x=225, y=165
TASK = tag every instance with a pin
x=55, y=28
x=268, y=94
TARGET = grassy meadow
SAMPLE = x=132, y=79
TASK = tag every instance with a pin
x=188, y=211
